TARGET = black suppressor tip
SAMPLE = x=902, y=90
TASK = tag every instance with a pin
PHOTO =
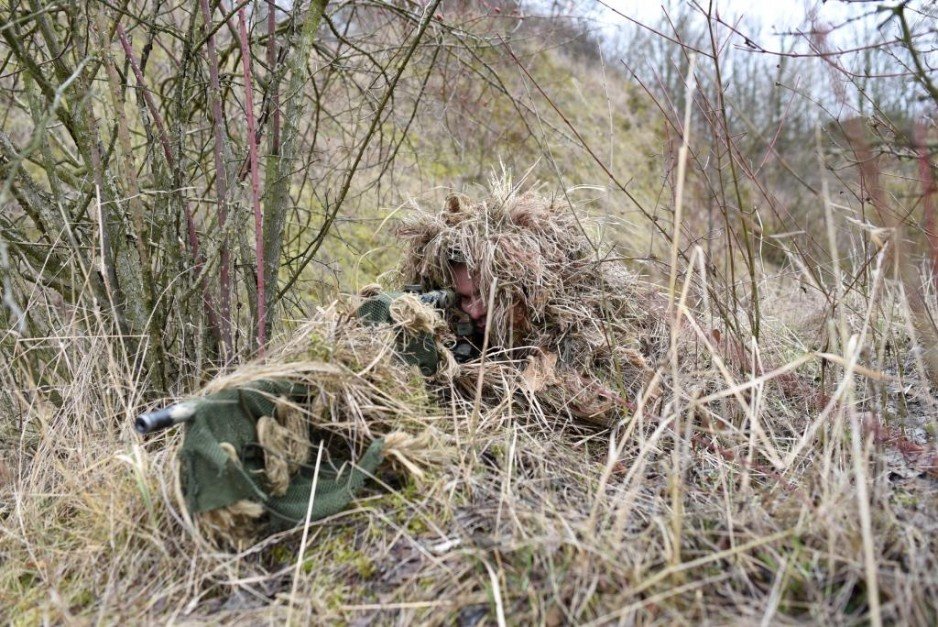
x=160, y=419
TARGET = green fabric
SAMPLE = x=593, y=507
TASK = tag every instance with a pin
x=212, y=480
x=417, y=349
x=335, y=488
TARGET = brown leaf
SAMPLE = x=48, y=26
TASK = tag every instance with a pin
x=540, y=371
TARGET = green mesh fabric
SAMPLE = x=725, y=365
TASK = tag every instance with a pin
x=335, y=488
x=211, y=479
x=418, y=349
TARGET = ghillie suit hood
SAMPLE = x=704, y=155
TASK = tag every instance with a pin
x=588, y=332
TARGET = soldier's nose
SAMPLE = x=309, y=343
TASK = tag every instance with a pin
x=475, y=307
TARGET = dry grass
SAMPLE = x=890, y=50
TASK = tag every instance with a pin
x=726, y=493
x=624, y=454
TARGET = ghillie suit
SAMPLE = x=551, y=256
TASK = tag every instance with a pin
x=577, y=333
x=338, y=393
x=574, y=334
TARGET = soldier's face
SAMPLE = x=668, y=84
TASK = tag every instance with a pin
x=471, y=300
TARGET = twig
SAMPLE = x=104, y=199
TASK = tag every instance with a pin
x=148, y=98
x=279, y=162
x=255, y=181
x=929, y=192
x=221, y=181
x=755, y=317
x=376, y=118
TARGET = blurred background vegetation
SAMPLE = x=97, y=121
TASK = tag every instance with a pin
x=143, y=195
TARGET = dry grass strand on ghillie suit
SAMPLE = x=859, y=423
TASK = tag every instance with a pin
x=555, y=296
x=368, y=391
x=285, y=440
x=414, y=316
x=235, y=524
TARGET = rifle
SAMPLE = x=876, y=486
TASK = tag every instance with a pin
x=153, y=421
x=178, y=413
x=441, y=299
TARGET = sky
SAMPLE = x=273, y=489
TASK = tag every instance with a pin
x=850, y=25
x=778, y=14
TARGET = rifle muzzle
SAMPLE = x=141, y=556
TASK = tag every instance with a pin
x=165, y=418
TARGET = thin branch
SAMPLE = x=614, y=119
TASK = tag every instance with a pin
x=221, y=179
x=313, y=248
x=255, y=180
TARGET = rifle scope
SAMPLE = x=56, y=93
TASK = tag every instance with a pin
x=441, y=299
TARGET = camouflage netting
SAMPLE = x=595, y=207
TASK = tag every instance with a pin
x=249, y=455
x=589, y=334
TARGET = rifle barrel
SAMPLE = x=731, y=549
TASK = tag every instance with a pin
x=164, y=418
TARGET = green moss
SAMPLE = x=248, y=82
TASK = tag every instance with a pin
x=337, y=555
x=319, y=349
x=333, y=547
x=365, y=566
x=82, y=599
x=281, y=555
x=906, y=499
